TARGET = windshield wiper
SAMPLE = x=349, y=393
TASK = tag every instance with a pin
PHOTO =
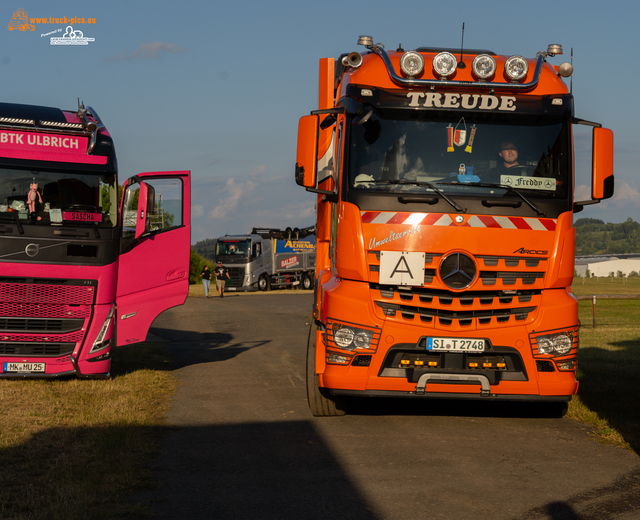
x=405, y=182
x=503, y=186
x=13, y=215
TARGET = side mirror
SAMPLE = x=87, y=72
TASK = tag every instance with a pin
x=146, y=202
x=307, y=154
x=602, y=182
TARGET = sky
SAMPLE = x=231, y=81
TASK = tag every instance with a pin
x=217, y=88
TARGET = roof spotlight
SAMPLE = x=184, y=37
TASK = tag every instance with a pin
x=484, y=66
x=565, y=70
x=412, y=63
x=445, y=64
x=516, y=67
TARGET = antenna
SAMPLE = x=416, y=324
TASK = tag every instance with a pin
x=571, y=84
x=461, y=64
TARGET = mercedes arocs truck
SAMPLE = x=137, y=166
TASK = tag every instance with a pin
x=445, y=238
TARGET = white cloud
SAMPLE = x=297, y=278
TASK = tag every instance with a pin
x=625, y=193
x=231, y=195
x=583, y=192
x=197, y=211
x=257, y=171
x=149, y=51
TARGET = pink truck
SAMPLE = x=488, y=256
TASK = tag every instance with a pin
x=81, y=272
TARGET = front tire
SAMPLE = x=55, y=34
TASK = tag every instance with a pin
x=321, y=402
x=307, y=282
x=264, y=284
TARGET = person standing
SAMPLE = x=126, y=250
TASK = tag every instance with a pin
x=206, y=280
x=222, y=275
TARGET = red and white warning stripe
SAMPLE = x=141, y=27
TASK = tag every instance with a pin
x=440, y=219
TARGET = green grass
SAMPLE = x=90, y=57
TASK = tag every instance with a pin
x=588, y=286
x=608, y=365
x=74, y=448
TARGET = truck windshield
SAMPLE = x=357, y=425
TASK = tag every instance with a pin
x=235, y=248
x=56, y=197
x=468, y=154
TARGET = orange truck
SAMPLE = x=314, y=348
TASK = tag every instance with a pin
x=445, y=238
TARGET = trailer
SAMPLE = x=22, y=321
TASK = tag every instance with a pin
x=268, y=258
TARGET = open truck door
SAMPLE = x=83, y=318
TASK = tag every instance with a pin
x=153, y=272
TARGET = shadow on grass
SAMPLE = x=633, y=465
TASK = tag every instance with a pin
x=609, y=386
x=253, y=470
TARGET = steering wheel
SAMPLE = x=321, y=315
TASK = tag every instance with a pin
x=525, y=170
x=82, y=207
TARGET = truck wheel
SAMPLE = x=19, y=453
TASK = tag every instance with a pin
x=264, y=284
x=321, y=402
x=307, y=282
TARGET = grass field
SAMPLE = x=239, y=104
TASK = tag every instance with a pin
x=72, y=448
x=584, y=286
x=609, y=361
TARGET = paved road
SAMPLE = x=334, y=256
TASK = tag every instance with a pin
x=246, y=446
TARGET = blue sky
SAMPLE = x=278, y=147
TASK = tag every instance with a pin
x=218, y=87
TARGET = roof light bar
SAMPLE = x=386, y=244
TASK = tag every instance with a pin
x=445, y=64
x=412, y=63
x=14, y=121
x=516, y=68
x=75, y=126
x=484, y=66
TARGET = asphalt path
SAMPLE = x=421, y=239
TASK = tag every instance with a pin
x=243, y=443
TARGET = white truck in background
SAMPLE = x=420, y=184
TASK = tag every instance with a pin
x=268, y=258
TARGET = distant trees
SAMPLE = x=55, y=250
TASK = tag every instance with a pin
x=594, y=237
x=196, y=265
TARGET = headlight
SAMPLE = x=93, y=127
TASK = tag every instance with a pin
x=516, y=67
x=484, y=66
x=554, y=344
x=412, y=63
x=100, y=343
x=344, y=337
x=351, y=338
x=445, y=64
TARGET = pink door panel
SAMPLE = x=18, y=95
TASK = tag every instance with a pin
x=153, y=272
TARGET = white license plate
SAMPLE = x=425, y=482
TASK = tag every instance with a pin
x=27, y=368
x=231, y=288
x=456, y=344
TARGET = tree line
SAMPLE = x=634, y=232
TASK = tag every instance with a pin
x=594, y=237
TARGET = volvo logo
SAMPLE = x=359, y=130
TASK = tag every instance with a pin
x=31, y=250
x=458, y=271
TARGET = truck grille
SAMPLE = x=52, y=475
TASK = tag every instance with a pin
x=36, y=349
x=446, y=309
x=237, y=276
x=38, y=325
x=44, y=317
x=494, y=271
x=37, y=291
